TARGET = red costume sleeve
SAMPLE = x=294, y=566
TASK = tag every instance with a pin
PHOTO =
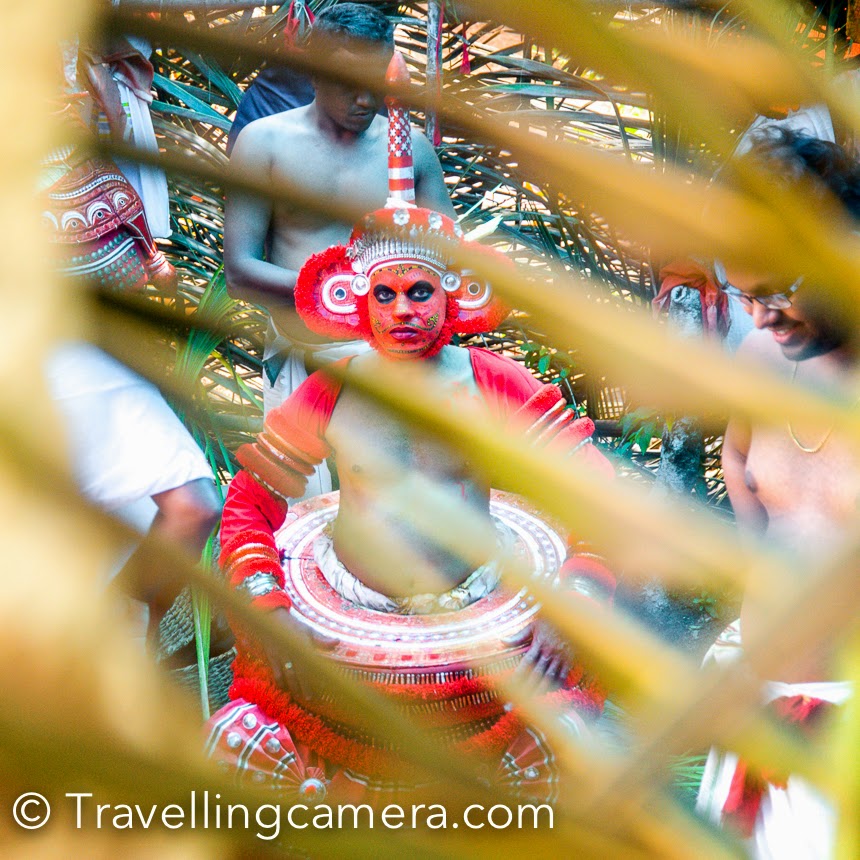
x=542, y=414
x=292, y=443
x=539, y=410
x=250, y=507
x=277, y=466
x=505, y=384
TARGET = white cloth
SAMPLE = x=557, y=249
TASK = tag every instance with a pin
x=149, y=182
x=126, y=444
x=813, y=121
x=797, y=821
x=479, y=584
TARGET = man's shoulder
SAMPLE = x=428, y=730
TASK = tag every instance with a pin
x=276, y=124
x=324, y=384
x=422, y=149
x=484, y=356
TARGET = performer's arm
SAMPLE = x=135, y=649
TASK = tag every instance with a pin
x=251, y=562
x=276, y=468
x=541, y=413
x=548, y=422
x=249, y=556
x=586, y=575
x=247, y=220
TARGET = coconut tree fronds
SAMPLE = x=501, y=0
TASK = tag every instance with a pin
x=83, y=706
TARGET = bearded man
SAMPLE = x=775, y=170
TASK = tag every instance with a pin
x=434, y=633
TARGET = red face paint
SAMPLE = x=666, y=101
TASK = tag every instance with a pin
x=407, y=307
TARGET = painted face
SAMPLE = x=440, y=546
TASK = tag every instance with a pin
x=349, y=108
x=407, y=306
x=807, y=327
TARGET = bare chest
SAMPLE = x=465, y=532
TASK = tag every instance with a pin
x=374, y=446
x=334, y=172
x=810, y=498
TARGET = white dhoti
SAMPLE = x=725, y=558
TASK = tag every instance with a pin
x=795, y=820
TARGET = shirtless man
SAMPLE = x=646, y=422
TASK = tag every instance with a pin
x=798, y=484
x=336, y=148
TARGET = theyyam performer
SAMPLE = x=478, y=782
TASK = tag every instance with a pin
x=436, y=635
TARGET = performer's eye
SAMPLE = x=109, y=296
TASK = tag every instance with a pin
x=384, y=295
x=421, y=292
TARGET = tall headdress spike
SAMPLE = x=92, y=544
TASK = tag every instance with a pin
x=401, y=172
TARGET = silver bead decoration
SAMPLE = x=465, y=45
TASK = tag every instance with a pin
x=450, y=282
x=234, y=740
x=434, y=220
x=249, y=721
x=360, y=285
x=273, y=745
x=400, y=217
x=458, y=231
x=531, y=772
x=379, y=249
x=258, y=776
x=313, y=788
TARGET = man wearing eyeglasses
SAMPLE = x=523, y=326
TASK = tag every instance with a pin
x=799, y=485
x=791, y=482
x=799, y=332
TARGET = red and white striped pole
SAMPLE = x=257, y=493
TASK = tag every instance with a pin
x=401, y=172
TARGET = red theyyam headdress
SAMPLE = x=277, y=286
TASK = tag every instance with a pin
x=332, y=285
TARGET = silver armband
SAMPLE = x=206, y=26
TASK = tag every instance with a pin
x=579, y=446
x=259, y=584
x=587, y=588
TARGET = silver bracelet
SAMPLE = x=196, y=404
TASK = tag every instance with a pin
x=587, y=587
x=259, y=584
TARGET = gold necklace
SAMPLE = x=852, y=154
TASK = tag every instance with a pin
x=815, y=448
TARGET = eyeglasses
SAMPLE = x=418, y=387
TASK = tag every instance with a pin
x=774, y=301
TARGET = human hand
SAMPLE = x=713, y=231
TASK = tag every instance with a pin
x=549, y=659
x=291, y=671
